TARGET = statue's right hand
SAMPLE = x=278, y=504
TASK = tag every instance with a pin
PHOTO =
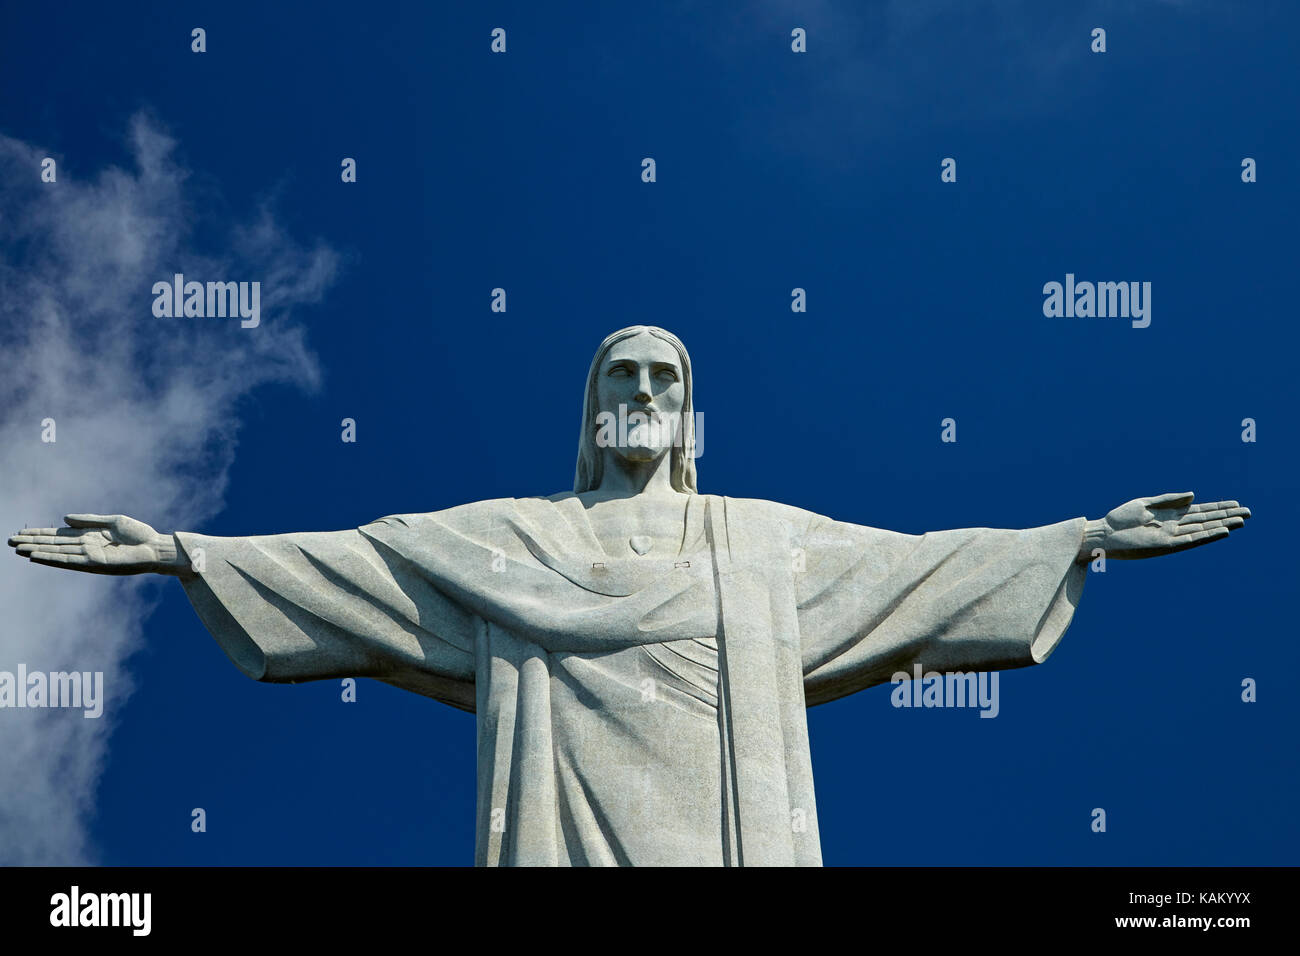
x=102, y=544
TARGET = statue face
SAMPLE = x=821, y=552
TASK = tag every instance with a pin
x=640, y=383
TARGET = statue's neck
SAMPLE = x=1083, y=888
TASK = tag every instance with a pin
x=623, y=478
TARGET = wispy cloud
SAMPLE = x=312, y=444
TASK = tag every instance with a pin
x=145, y=412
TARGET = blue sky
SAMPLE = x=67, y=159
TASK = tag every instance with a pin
x=775, y=171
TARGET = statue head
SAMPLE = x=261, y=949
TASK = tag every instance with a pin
x=640, y=384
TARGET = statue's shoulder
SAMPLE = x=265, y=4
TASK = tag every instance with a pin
x=801, y=522
x=761, y=509
x=469, y=514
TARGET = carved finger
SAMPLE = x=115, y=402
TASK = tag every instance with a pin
x=1192, y=517
x=1228, y=523
x=1225, y=512
x=1178, y=499
x=1215, y=512
x=54, y=548
x=40, y=530
x=1213, y=506
x=1207, y=526
x=89, y=521
x=68, y=536
x=57, y=560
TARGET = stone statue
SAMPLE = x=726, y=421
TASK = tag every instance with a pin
x=639, y=656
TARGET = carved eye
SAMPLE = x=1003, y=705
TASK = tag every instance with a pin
x=667, y=375
x=619, y=371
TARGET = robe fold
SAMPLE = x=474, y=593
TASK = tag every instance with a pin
x=636, y=710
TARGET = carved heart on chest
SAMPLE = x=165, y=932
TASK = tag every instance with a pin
x=640, y=543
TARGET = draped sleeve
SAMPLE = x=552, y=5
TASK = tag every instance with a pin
x=872, y=603
x=315, y=605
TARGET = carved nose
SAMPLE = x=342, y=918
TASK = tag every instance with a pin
x=641, y=398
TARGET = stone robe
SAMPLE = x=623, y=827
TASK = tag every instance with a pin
x=636, y=710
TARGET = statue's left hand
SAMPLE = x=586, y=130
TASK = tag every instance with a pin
x=1147, y=527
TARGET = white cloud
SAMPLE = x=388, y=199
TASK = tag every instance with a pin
x=146, y=426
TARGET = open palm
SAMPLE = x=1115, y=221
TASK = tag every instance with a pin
x=102, y=544
x=1163, y=524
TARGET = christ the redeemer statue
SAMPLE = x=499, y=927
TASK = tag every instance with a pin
x=639, y=656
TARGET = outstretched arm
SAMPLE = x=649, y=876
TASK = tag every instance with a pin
x=103, y=544
x=875, y=603
x=1149, y=527
x=290, y=607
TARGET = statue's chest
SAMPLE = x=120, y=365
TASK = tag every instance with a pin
x=646, y=532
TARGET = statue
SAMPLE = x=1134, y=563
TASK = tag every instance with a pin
x=639, y=656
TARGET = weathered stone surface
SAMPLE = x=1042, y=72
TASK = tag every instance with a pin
x=639, y=656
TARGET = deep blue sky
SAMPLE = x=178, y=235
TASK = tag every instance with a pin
x=774, y=170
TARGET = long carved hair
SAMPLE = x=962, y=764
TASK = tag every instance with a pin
x=588, y=473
